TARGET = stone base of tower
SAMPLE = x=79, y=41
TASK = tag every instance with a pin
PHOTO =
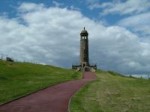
x=92, y=68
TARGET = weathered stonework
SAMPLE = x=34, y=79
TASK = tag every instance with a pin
x=84, y=50
x=84, y=53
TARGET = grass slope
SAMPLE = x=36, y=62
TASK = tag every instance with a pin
x=19, y=79
x=113, y=93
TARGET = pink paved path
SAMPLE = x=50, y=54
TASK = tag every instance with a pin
x=52, y=99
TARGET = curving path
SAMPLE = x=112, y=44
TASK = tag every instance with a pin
x=53, y=99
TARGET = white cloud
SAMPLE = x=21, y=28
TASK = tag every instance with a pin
x=51, y=35
x=57, y=4
x=138, y=23
x=25, y=7
x=127, y=7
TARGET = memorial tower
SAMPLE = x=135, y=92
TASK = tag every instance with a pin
x=84, y=48
x=84, y=53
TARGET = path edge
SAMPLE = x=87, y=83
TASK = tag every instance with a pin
x=33, y=92
x=68, y=110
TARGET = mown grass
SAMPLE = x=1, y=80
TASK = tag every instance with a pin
x=19, y=79
x=113, y=93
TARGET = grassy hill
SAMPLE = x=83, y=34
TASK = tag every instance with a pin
x=113, y=93
x=19, y=79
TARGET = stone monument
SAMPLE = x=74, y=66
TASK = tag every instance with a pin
x=84, y=53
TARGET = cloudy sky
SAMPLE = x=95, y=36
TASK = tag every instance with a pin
x=47, y=31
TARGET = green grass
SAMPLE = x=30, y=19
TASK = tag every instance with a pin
x=19, y=79
x=113, y=93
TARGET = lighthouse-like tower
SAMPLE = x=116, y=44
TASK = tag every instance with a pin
x=84, y=48
x=84, y=53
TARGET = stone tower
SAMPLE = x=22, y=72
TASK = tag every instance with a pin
x=84, y=54
x=84, y=48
